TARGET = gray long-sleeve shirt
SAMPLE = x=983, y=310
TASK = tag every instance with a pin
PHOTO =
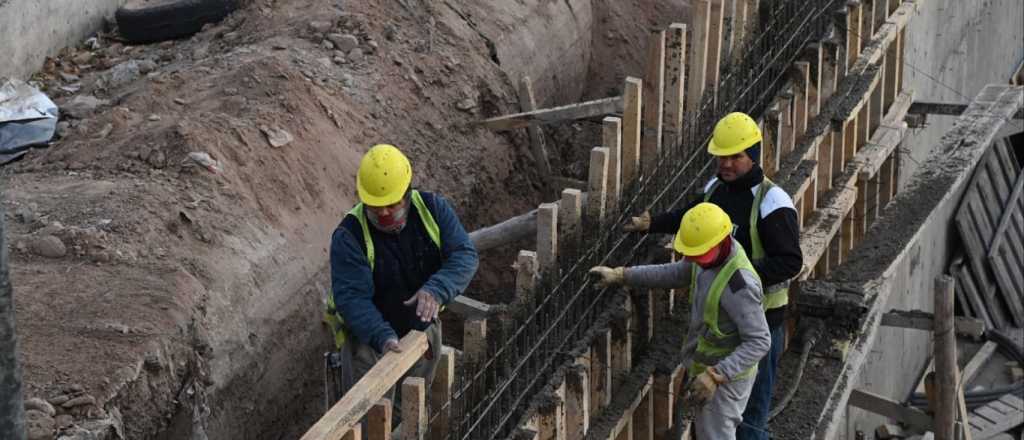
x=740, y=309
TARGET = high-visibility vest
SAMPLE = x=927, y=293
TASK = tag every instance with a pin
x=334, y=319
x=776, y=295
x=714, y=345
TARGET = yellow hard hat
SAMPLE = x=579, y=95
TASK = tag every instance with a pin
x=734, y=133
x=384, y=176
x=703, y=227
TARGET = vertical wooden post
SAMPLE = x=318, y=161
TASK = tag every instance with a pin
x=846, y=240
x=547, y=238
x=354, y=433
x=859, y=213
x=853, y=33
x=825, y=164
x=803, y=95
x=835, y=249
x=901, y=43
x=643, y=418
x=817, y=54
x=611, y=136
x=526, y=274
x=627, y=431
x=773, y=137
x=822, y=268
x=699, y=58
x=474, y=338
x=810, y=199
x=946, y=369
x=528, y=103
x=601, y=371
x=570, y=214
x=577, y=402
x=838, y=142
x=728, y=30
x=598, y=186
x=863, y=123
x=872, y=200
x=849, y=142
x=891, y=71
x=714, y=46
x=622, y=340
x=653, y=108
x=878, y=108
x=440, y=395
x=632, y=97
x=787, y=135
x=378, y=421
x=414, y=414
x=675, y=83
x=740, y=22
x=664, y=400
x=885, y=183
x=829, y=73
x=551, y=422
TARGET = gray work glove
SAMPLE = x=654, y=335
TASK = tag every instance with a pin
x=638, y=224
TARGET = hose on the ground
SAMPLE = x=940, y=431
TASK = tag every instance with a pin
x=810, y=337
x=974, y=399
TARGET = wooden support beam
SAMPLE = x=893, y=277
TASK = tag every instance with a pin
x=623, y=428
x=598, y=187
x=714, y=46
x=825, y=163
x=571, y=112
x=551, y=416
x=577, y=401
x=850, y=133
x=772, y=144
x=741, y=20
x=601, y=371
x=919, y=320
x=787, y=133
x=654, y=102
x=467, y=307
x=890, y=408
x=643, y=418
x=860, y=209
x=1004, y=218
x=699, y=58
x=378, y=421
x=570, y=220
x=547, y=238
x=728, y=30
x=440, y=395
x=864, y=121
x=885, y=140
x=829, y=73
x=886, y=181
x=664, y=400
x=891, y=70
x=356, y=433
x=876, y=108
x=414, y=410
x=816, y=56
x=675, y=83
x=374, y=384
x=474, y=339
x=846, y=242
x=821, y=239
x=528, y=104
x=622, y=340
x=633, y=96
x=853, y=33
x=611, y=136
x=977, y=361
x=946, y=369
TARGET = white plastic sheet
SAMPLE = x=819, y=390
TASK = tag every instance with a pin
x=27, y=118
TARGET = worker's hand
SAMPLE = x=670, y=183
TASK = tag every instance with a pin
x=426, y=305
x=705, y=385
x=608, y=276
x=638, y=224
x=391, y=345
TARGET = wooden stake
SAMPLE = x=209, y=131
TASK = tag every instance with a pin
x=570, y=219
x=440, y=395
x=577, y=402
x=802, y=102
x=739, y=26
x=551, y=421
x=829, y=73
x=633, y=97
x=611, y=135
x=526, y=274
x=601, y=371
x=849, y=143
x=946, y=369
x=675, y=83
x=714, y=46
x=699, y=58
x=852, y=33
x=528, y=104
x=643, y=419
x=547, y=238
x=654, y=102
x=598, y=187
x=664, y=399
x=825, y=164
x=355, y=433
x=846, y=241
x=414, y=414
x=787, y=138
x=863, y=123
x=378, y=421
x=859, y=213
x=885, y=182
x=773, y=135
x=622, y=340
x=474, y=342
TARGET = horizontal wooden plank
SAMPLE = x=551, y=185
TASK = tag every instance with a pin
x=886, y=138
x=582, y=110
x=887, y=407
x=978, y=360
x=627, y=415
x=815, y=239
x=468, y=307
x=919, y=320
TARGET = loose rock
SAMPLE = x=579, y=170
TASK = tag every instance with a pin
x=64, y=421
x=465, y=104
x=277, y=137
x=344, y=42
x=123, y=73
x=24, y=215
x=38, y=425
x=157, y=159
x=153, y=117
x=356, y=55
x=83, y=58
x=320, y=27
x=146, y=66
x=79, y=401
x=48, y=246
x=38, y=404
x=82, y=106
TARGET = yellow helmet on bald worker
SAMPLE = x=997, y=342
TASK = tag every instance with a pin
x=384, y=176
x=734, y=133
x=703, y=227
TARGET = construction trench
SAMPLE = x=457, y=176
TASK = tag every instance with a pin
x=202, y=319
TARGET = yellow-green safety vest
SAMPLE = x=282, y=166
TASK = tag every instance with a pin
x=713, y=345
x=332, y=318
x=776, y=295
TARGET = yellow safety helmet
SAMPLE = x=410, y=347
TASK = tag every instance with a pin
x=384, y=176
x=703, y=227
x=733, y=134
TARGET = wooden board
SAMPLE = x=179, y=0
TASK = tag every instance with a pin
x=997, y=417
x=571, y=112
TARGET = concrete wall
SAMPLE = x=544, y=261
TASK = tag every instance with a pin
x=31, y=30
x=963, y=45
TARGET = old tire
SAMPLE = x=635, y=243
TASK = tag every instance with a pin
x=147, y=21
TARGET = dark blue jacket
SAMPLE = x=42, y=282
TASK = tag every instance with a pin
x=371, y=301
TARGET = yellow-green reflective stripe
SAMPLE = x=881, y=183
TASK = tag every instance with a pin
x=776, y=299
x=738, y=261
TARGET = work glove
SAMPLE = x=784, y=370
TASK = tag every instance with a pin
x=705, y=385
x=608, y=276
x=638, y=224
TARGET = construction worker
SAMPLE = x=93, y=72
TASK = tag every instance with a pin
x=771, y=237
x=728, y=334
x=396, y=258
